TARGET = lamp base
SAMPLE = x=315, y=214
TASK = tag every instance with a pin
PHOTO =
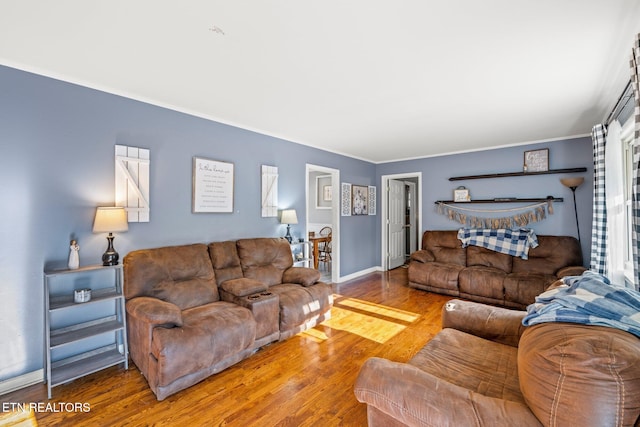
x=288, y=235
x=110, y=257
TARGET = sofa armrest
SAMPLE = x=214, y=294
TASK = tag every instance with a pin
x=415, y=397
x=423, y=256
x=497, y=324
x=154, y=312
x=573, y=270
x=301, y=275
x=243, y=287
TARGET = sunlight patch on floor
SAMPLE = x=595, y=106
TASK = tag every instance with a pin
x=315, y=335
x=366, y=326
x=371, y=327
x=382, y=310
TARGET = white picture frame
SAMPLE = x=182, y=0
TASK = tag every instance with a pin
x=461, y=195
x=212, y=187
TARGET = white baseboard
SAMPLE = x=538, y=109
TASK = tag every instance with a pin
x=359, y=273
x=22, y=381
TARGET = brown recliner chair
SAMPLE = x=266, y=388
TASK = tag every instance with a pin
x=486, y=369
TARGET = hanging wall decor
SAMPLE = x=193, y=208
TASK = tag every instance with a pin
x=132, y=182
x=212, y=186
x=372, y=200
x=477, y=218
x=359, y=200
x=269, y=191
x=345, y=197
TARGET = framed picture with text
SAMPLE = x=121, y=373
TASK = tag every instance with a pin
x=212, y=190
x=536, y=160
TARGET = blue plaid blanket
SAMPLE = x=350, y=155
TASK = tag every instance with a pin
x=589, y=299
x=503, y=240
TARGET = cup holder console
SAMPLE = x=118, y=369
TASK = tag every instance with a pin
x=260, y=295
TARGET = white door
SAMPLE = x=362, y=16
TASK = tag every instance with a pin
x=412, y=230
x=396, y=224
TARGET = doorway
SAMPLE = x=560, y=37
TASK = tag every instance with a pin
x=402, y=218
x=323, y=209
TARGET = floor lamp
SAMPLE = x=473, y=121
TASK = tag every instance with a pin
x=574, y=183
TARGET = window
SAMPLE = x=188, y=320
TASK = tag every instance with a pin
x=628, y=144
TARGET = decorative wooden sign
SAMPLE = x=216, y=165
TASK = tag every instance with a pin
x=212, y=186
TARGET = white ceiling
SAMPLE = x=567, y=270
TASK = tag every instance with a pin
x=371, y=79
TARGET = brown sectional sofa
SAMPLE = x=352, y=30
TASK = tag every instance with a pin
x=194, y=310
x=479, y=274
x=485, y=369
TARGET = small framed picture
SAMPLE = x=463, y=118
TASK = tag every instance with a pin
x=536, y=160
x=359, y=199
x=326, y=193
x=461, y=194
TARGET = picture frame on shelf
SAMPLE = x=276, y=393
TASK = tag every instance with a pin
x=461, y=194
x=536, y=160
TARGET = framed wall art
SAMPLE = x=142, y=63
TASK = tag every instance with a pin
x=359, y=200
x=345, y=195
x=323, y=192
x=212, y=186
x=536, y=160
x=372, y=200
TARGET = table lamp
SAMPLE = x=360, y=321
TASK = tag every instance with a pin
x=288, y=217
x=110, y=220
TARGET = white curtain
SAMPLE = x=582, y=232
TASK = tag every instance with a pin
x=614, y=177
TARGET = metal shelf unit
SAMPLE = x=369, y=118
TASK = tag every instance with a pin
x=60, y=303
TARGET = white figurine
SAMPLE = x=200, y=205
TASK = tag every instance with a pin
x=74, y=255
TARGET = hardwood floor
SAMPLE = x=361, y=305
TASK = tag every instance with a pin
x=304, y=381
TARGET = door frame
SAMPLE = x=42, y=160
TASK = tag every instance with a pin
x=384, y=246
x=335, y=214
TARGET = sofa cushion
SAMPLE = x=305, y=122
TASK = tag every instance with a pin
x=181, y=275
x=521, y=289
x=551, y=254
x=440, y=275
x=477, y=255
x=213, y=332
x=243, y=287
x=301, y=275
x=299, y=304
x=155, y=312
x=476, y=364
x=264, y=259
x=445, y=247
x=225, y=260
x=574, y=374
x=482, y=281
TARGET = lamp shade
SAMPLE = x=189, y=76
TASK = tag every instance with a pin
x=289, y=217
x=572, y=182
x=110, y=220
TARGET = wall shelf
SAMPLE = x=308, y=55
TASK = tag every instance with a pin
x=511, y=174
x=503, y=200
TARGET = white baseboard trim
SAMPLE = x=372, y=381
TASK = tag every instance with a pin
x=21, y=381
x=359, y=273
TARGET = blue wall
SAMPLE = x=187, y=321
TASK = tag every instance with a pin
x=57, y=165
x=572, y=153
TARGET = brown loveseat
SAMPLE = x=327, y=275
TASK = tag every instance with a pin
x=444, y=266
x=485, y=369
x=194, y=310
